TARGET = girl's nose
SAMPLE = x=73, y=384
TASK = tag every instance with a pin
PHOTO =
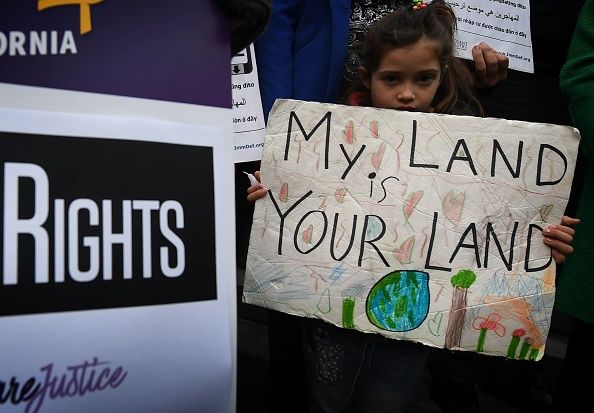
x=406, y=94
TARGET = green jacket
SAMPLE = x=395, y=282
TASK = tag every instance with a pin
x=575, y=287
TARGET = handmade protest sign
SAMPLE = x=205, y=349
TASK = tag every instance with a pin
x=416, y=226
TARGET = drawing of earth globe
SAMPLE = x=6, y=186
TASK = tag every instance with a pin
x=399, y=301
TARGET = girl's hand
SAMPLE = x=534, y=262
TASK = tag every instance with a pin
x=490, y=66
x=559, y=238
x=257, y=191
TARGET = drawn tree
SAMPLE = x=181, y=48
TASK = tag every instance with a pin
x=461, y=282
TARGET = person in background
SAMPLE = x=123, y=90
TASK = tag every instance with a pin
x=247, y=20
x=311, y=49
x=412, y=68
x=536, y=97
x=575, y=289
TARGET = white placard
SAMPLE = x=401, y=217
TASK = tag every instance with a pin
x=503, y=24
x=248, y=117
x=170, y=357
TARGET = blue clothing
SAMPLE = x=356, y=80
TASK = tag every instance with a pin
x=300, y=55
x=311, y=68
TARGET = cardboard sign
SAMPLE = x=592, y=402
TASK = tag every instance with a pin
x=416, y=226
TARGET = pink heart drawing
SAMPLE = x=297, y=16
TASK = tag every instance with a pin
x=404, y=253
x=374, y=127
x=324, y=203
x=411, y=202
x=307, y=234
x=376, y=157
x=545, y=210
x=284, y=192
x=452, y=206
x=349, y=132
x=340, y=194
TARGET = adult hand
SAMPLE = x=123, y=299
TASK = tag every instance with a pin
x=560, y=237
x=490, y=66
x=256, y=191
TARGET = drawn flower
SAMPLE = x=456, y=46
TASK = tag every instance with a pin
x=350, y=296
x=513, y=344
x=491, y=323
x=348, y=311
x=526, y=345
x=533, y=353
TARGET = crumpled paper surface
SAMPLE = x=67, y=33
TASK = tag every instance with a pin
x=417, y=226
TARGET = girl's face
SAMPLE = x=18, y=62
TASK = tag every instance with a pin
x=407, y=78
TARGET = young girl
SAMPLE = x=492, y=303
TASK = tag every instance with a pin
x=408, y=64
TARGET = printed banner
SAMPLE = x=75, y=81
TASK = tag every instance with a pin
x=124, y=220
x=503, y=24
x=117, y=293
x=152, y=49
x=248, y=117
x=114, y=285
x=416, y=226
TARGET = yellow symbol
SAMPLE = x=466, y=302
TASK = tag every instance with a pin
x=85, y=10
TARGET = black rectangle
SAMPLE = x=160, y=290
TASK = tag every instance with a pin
x=146, y=182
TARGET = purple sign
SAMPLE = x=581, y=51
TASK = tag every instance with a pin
x=174, y=51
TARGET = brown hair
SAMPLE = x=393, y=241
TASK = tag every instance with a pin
x=407, y=26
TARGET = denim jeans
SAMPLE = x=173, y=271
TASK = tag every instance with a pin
x=351, y=371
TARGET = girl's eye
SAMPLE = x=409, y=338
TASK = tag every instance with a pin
x=424, y=79
x=391, y=79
